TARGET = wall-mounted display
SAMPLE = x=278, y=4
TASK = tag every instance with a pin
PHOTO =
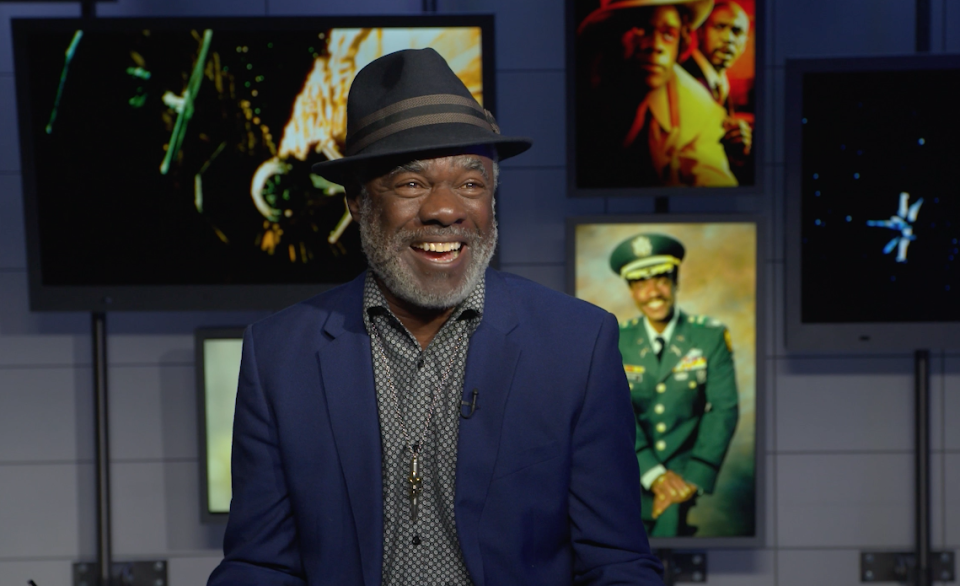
x=685, y=293
x=167, y=162
x=662, y=94
x=873, y=217
x=218, y=352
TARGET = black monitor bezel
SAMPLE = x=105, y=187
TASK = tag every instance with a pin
x=843, y=337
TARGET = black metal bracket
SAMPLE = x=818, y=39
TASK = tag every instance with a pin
x=145, y=573
x=887, y=566
x=683, y=567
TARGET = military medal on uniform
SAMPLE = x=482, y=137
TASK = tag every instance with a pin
x=415, y=480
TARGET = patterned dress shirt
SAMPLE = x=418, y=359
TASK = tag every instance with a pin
x=425, y=551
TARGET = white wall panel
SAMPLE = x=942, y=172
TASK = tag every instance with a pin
x=338, y=7
x=951, y=491
x=843, y=404
x=16, y=319
x=182, y=571
x=529, y=32
x=39, y=511
x=43, y=573
x=726, y=567
x=532, y=208
x=154, y=413
x=949, y=417
x=818, y=566
x=845, y=500
x=46, y=415
x=137, y=8
x=9, y=139
x=13, y=244
x=827, y=28
x=531, y=104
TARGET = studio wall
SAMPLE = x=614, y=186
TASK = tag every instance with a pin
x=838, y=436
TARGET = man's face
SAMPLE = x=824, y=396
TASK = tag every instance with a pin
x=428, y=228
x=651, y=44
x=725, y=35
x=655, y=297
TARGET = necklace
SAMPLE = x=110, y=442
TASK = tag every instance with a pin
x=414, y=481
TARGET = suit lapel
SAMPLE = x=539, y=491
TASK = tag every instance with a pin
x=347, y=373
x=491, y=362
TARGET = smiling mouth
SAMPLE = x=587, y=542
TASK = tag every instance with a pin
x=656, y=304
x=441, y=252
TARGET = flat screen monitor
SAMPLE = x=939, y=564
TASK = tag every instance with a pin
x=664, y=99
x=686, y=293
x=218, y=353
x=873, y=213
x=167, y=162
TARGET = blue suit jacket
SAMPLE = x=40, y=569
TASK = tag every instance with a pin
x=547, y=488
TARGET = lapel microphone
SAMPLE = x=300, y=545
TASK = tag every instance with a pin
x=472, y=404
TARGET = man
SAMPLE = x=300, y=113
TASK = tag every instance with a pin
x=682, y=385
x=432, y=422
x=723, y=38
x=642, y=119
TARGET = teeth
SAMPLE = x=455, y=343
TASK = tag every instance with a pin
x=437, y=246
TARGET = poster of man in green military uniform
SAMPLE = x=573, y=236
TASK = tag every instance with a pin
x=685, y=295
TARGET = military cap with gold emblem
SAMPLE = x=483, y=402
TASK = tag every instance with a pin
x=646, y=255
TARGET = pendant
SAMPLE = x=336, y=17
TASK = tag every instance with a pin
x=416, y=486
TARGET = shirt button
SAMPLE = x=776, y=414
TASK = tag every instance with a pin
x=661, y=445
x=693, y=385
x=661, y=427
x=661, y=388
x=416, y=540
x=659, y=409
x=420, y=362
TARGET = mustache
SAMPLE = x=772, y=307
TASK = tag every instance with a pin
x=429, y=234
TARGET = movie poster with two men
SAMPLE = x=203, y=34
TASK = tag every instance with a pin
x=663, y=93
x=685, y=295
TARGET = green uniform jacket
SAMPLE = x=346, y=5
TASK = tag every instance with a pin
x=685, y=405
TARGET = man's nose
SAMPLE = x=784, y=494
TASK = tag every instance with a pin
x=442, y=206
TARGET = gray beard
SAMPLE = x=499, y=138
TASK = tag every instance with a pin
x=383, y=255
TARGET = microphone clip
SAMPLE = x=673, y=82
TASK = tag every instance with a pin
x=472, y=404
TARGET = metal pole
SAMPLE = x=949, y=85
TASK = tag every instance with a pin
x=922, y=468
x=661, y=204
x=102, y=457
x=923, y=26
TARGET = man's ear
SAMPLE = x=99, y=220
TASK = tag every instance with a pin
x=352, y=195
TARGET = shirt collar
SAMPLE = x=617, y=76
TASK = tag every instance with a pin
x=714, y=79
x=667, y=332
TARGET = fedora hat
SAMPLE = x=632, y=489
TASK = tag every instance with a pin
x=699, y=10
x=411, y=102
